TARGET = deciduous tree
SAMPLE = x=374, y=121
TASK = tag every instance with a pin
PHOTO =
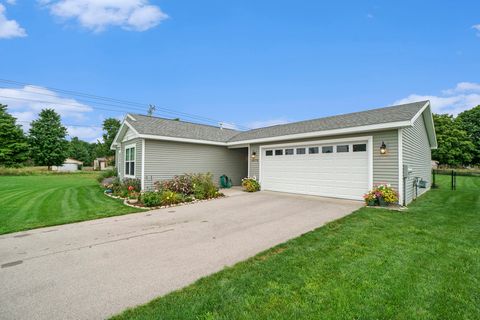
x=48, y=145
x=454, y=145
x=469, y=121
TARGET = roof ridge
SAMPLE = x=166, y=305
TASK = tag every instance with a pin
x=183, y=121
x=337, y=115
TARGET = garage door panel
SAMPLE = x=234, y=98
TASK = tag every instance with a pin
x=343, y=175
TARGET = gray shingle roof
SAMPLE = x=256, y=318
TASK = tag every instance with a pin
x=181, y=129
x=404, y=112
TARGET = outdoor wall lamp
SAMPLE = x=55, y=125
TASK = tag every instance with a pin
x=254, y=155
x=383, y=148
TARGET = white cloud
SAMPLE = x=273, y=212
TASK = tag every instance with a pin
x=26, y=103
x=477, y=27
x=9, y=28
x=12, y=2
x=463, y=87
x=97, y=15
x=227, y=125
x=465, y=95
x=89, y=134
x=266, y=123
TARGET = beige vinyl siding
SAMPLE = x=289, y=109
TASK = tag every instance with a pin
x=417, y=155
x=385, y=168
x=165, y=159
x=138, y=157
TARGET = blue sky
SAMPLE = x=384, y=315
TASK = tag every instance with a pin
x=248, y=63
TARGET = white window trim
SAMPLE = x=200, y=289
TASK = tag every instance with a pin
x=134, y=145
x=369, y=140
x=142, y=178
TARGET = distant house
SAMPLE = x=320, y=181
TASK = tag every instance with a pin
x=100, y=164
x=69, y=165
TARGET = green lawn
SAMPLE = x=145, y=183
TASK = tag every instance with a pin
x=373, y=264
x=28, y=202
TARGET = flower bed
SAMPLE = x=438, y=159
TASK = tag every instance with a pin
x=381, y=195
x=187, y=188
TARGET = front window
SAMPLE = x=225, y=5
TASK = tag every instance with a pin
x=130, y=161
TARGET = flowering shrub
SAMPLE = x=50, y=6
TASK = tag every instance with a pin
x=382, y=193
x=181, y=184
x=250, y=184
x=169, y=197
x=200, y=185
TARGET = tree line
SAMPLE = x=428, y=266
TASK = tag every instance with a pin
x=46, y=143
x=458, y=138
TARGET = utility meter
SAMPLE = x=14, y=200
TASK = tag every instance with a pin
x=407, y=171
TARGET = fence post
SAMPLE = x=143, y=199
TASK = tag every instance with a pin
x=455, y=184
x=451, y=180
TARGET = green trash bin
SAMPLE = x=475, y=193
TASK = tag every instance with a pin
x=225, y=182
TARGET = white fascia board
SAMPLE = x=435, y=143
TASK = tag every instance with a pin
x=400, y=166
x=237, y=146
x=143, y=166
x=419, y=113
x=122, y=126
x=432, y=137
x=375, y=127
x=165, y=138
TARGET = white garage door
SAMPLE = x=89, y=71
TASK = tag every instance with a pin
x=339, y=170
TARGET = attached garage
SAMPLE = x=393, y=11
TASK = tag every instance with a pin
x=340, y=156
x=329, y=168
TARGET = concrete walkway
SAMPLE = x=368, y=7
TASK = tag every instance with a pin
x=94, y=269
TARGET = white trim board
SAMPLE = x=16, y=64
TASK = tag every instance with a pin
x=400, y=166
x=142, y=178
x=132, y=145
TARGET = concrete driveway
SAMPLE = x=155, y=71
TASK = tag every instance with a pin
x=94, y=269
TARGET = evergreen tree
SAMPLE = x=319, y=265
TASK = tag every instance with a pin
x=13, y=143
x=48, y=145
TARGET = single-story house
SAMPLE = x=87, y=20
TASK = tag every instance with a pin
x=69, y=164
x=340, y=156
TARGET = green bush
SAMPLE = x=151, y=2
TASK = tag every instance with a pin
x=250, y=184
x=199, y=192
x=106, y=174
x=151, y=199
x=169, y=197
x=199, y=185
